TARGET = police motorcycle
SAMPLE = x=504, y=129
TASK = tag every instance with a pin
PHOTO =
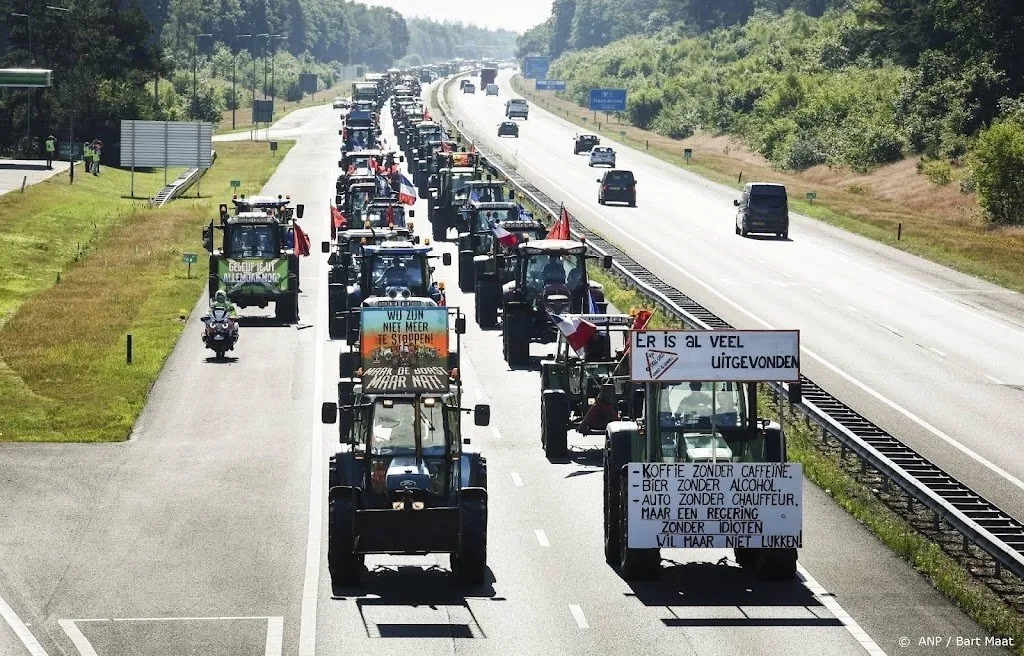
x=221, y=331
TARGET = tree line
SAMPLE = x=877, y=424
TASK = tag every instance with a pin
x=433, y=41
x=855, y=83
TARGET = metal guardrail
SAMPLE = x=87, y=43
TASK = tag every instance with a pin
x=980, y=522
x=179, y=185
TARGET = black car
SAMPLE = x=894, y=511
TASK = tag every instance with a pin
x=763, y=208
x=619, y=186
x=508, y=129
x=584, y=143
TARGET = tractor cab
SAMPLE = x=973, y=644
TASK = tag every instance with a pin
x=381, y=213
x=278, y=206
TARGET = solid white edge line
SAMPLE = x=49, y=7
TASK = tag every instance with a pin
x=311, y=581
x=994, y=380
x=78, y=639
x=829, y=601
x=814, y=356
x=936, y=351
x=516, y=479
x=275, y=636
x=577, y=614
x=543, y=539
x=20, y=629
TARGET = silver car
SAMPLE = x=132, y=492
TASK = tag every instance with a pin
x=602, y=155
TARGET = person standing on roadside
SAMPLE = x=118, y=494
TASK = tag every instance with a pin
x=97, y=147
x=87, y=156
x=51, y=147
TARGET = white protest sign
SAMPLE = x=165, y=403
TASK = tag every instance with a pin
x=715, y=355
x=715, y=505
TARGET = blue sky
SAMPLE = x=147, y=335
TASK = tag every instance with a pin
x=518, y=16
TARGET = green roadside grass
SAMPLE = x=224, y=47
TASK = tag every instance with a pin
x=89, y=268
x=932, y=222
x=243, y=115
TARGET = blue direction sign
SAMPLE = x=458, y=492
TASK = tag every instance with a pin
x=550, y=85
x=608, y=100
x=536, y=68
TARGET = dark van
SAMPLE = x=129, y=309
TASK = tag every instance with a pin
x=617, y=185
x=763, y=208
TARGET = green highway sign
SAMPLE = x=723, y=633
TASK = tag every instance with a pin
x=189, y=258
x=688, y=153
x=26, y=77
x=236, y=183
x=811, y=195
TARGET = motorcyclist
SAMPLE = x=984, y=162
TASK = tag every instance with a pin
x=221, y=301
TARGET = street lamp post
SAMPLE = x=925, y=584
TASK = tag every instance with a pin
x=273, y=62
x=195, y=62
x=28, y=106
x=253, y=53
x=234, y=62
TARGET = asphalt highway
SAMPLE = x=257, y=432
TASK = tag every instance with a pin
x=206, y=532
x=931, y=355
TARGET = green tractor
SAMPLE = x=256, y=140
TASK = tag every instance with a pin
x=253, y=264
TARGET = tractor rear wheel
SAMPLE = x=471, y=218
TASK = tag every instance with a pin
x=554, y=418
x=344, y=564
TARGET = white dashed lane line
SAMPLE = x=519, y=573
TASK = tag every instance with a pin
x=577, y=614
x=543, y=539
x=516, y=480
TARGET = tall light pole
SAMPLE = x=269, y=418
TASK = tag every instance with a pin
x=195, y=62
x=28, y=106
x=234, y=62
x=273, y=61
x=266, y=63
x=253, y=53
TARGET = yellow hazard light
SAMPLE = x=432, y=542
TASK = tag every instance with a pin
x=426, y=242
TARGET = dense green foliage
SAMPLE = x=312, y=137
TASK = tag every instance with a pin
x=432, y=41
x=102, y=56
x=803, y=82
x=997, y=168
x=329, y=30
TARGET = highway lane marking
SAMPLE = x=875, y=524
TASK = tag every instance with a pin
x=543, y=539
x=828, y=600
x=994, y=380
x=311, y=580
x=78, y=639
x=516, y=480
x=936, y=351
x=274, y=645
x=495, y=432
x=20, y=629
x=816, y=291
x=891, y=329
x=977, y=457
x=577, y=614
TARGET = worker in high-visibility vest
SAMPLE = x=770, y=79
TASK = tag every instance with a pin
x=51, y=147
x=87, y=156
x=97, y=145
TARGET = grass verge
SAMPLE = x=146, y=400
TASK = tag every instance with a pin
x=243, y=115
x=949, y=577
x=63, y=375
x=893, y=205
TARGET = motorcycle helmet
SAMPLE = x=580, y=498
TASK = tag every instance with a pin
x=220, y=297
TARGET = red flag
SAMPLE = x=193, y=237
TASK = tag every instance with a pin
x=426, y=115
x=339, y=219
x=391, y=216
x=560, y=229
x=446, y=147
x=639, y=323
x=472, y=148
x=302, y=243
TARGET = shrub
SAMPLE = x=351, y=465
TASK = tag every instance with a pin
x=997, y=167
x=937, y=171
x=644, y=106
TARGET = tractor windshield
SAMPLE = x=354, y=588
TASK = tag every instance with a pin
x=460, y=191
x=700, y=422
x=406, y=271
x=253, y=241
x=483, y=218
x=395, y=427
x=361, y=199
x=544, y=269
x=385, y=217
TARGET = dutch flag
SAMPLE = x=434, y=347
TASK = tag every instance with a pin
x=506, y=238
x=577, y=331
x=589, y=305
x=383, y=188
x=474, y=197
x=406, y=192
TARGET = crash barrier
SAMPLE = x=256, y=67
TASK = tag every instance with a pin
x=979, y=522
x=179, y=185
